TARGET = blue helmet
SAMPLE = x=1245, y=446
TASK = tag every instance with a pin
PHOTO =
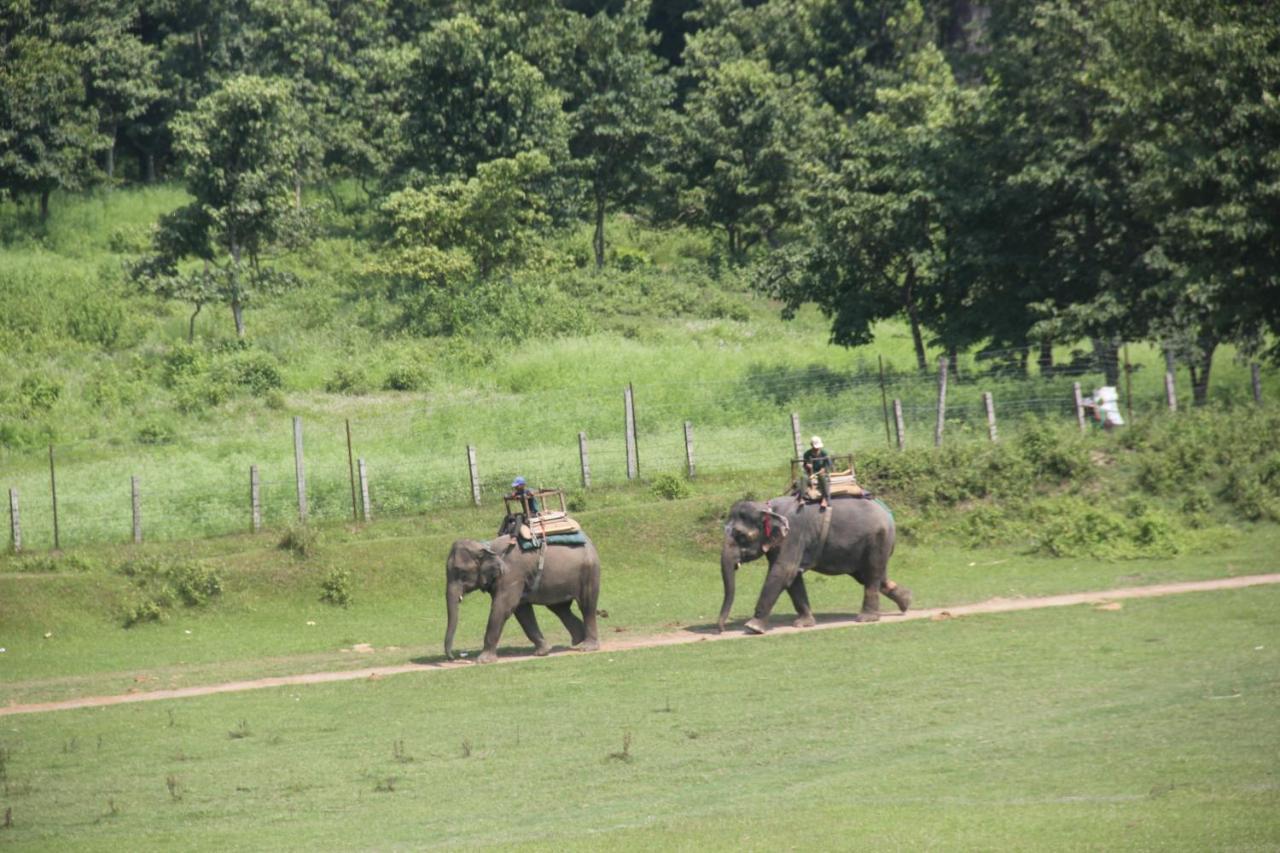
x=517, y=482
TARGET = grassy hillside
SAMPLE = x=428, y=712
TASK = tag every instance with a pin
x=106, y=376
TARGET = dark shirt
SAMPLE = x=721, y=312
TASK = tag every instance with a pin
x=529, y=499
x=816, y=459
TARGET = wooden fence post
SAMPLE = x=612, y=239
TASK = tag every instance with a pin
x=351, y=471
x=633, y=453
x=1128, y=384
x=1255, y=373
x=582, y=460
x=15, y=523
x=989, y=403
x=943, y=363
x=688, y=447
x=475, y=474
x=364, y=490
x=298, y=468
x=136, y=501
x=53, y=491
x=1079, y=400
x=795, y=435
x=899, y=425
x=255, y=499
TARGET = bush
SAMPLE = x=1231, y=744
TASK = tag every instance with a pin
x=161, y=583
x=255, y=370
x=156, y=431
x=669, y=487
x=347, y=379
x=336, y=588
x=300, y=539
x=405, y=377
x=37, y=395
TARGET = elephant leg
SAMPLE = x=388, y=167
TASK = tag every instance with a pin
x=577, y=633
x=779, y=578
x=899, y=595
x=870, y=604
x=800, y=599
x=529, y=622
x=504, y=603
x=587, y=603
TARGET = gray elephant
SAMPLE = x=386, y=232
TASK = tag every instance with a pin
x=855, y=536
x=516, y=581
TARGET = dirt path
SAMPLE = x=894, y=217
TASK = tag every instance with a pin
x=684, y=636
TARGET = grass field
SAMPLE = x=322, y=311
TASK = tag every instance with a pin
x=1152, y=727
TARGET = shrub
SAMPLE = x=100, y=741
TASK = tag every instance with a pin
x=161, y=583
x=255, y=370
x=99, y=320
x=669, y=487
x=347, y=379
x=405, y=377
x=336, y=588
x=156, y=431
x=299, y=539
x=37, y=394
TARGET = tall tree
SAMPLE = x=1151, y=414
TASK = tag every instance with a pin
x=619, y=94
x=49, y=134
x=239, y=147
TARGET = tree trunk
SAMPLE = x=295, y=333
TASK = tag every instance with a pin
x=953, y=357
x=908, y=302
x=44, y=205
x=111, y=154
x=237, y=307
x=597, y=242
x=1200, y=367
x=1046, y=358
x=151, y=168
x=191, y=325
x=297, y=192
x=1108, y=356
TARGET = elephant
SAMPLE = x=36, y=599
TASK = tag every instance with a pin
x=855, y=536
x=512, y=578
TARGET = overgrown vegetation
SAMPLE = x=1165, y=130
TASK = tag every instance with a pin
x=161, y=584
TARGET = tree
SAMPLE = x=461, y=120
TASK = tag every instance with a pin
x=469, y=99
x=617, y=103
x=49, y=132
x=739, y=150
x=239, y=146
x=123, y=76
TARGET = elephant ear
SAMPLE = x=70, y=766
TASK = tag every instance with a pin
x=775, y=528
x=492, y=567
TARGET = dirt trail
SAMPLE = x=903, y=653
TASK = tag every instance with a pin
x=698, y=634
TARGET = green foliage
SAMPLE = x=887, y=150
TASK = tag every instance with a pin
x=669, y=487
x=300, y=540
x=347, y=379
x=161, y=583
x=1074, y=527
x=336, y=588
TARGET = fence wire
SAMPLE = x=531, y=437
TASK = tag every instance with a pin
x=417, y=459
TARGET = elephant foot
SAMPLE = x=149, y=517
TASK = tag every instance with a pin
x=541, y=651
x=806, y=621
x=867, y=617
x=588, y=646
x=755, y=626
x=487, y=656
x=900, y=596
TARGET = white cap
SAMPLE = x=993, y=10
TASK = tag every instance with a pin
x=816, y=442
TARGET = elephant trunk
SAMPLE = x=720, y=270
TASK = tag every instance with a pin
x=729, y=572
x=452, y=598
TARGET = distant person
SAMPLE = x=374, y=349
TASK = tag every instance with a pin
x=520, y=492
x=817, y=463
x=1104, y=406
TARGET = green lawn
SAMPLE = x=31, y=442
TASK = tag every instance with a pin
x=1151, y=727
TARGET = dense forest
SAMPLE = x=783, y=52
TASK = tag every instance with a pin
x=998, y=175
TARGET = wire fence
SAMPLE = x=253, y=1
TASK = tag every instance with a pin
x=454, y=451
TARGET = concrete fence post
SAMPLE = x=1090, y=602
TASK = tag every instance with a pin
x=989, y=404
x=795, y=435
x=633, y=452
x=943, y=364
x=365, y=506
x=583, y=460
x=1079, y=401
x=688, y=447
x=1170, y=391
x=255, y=499
x=899, y=425
x=474, y=473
